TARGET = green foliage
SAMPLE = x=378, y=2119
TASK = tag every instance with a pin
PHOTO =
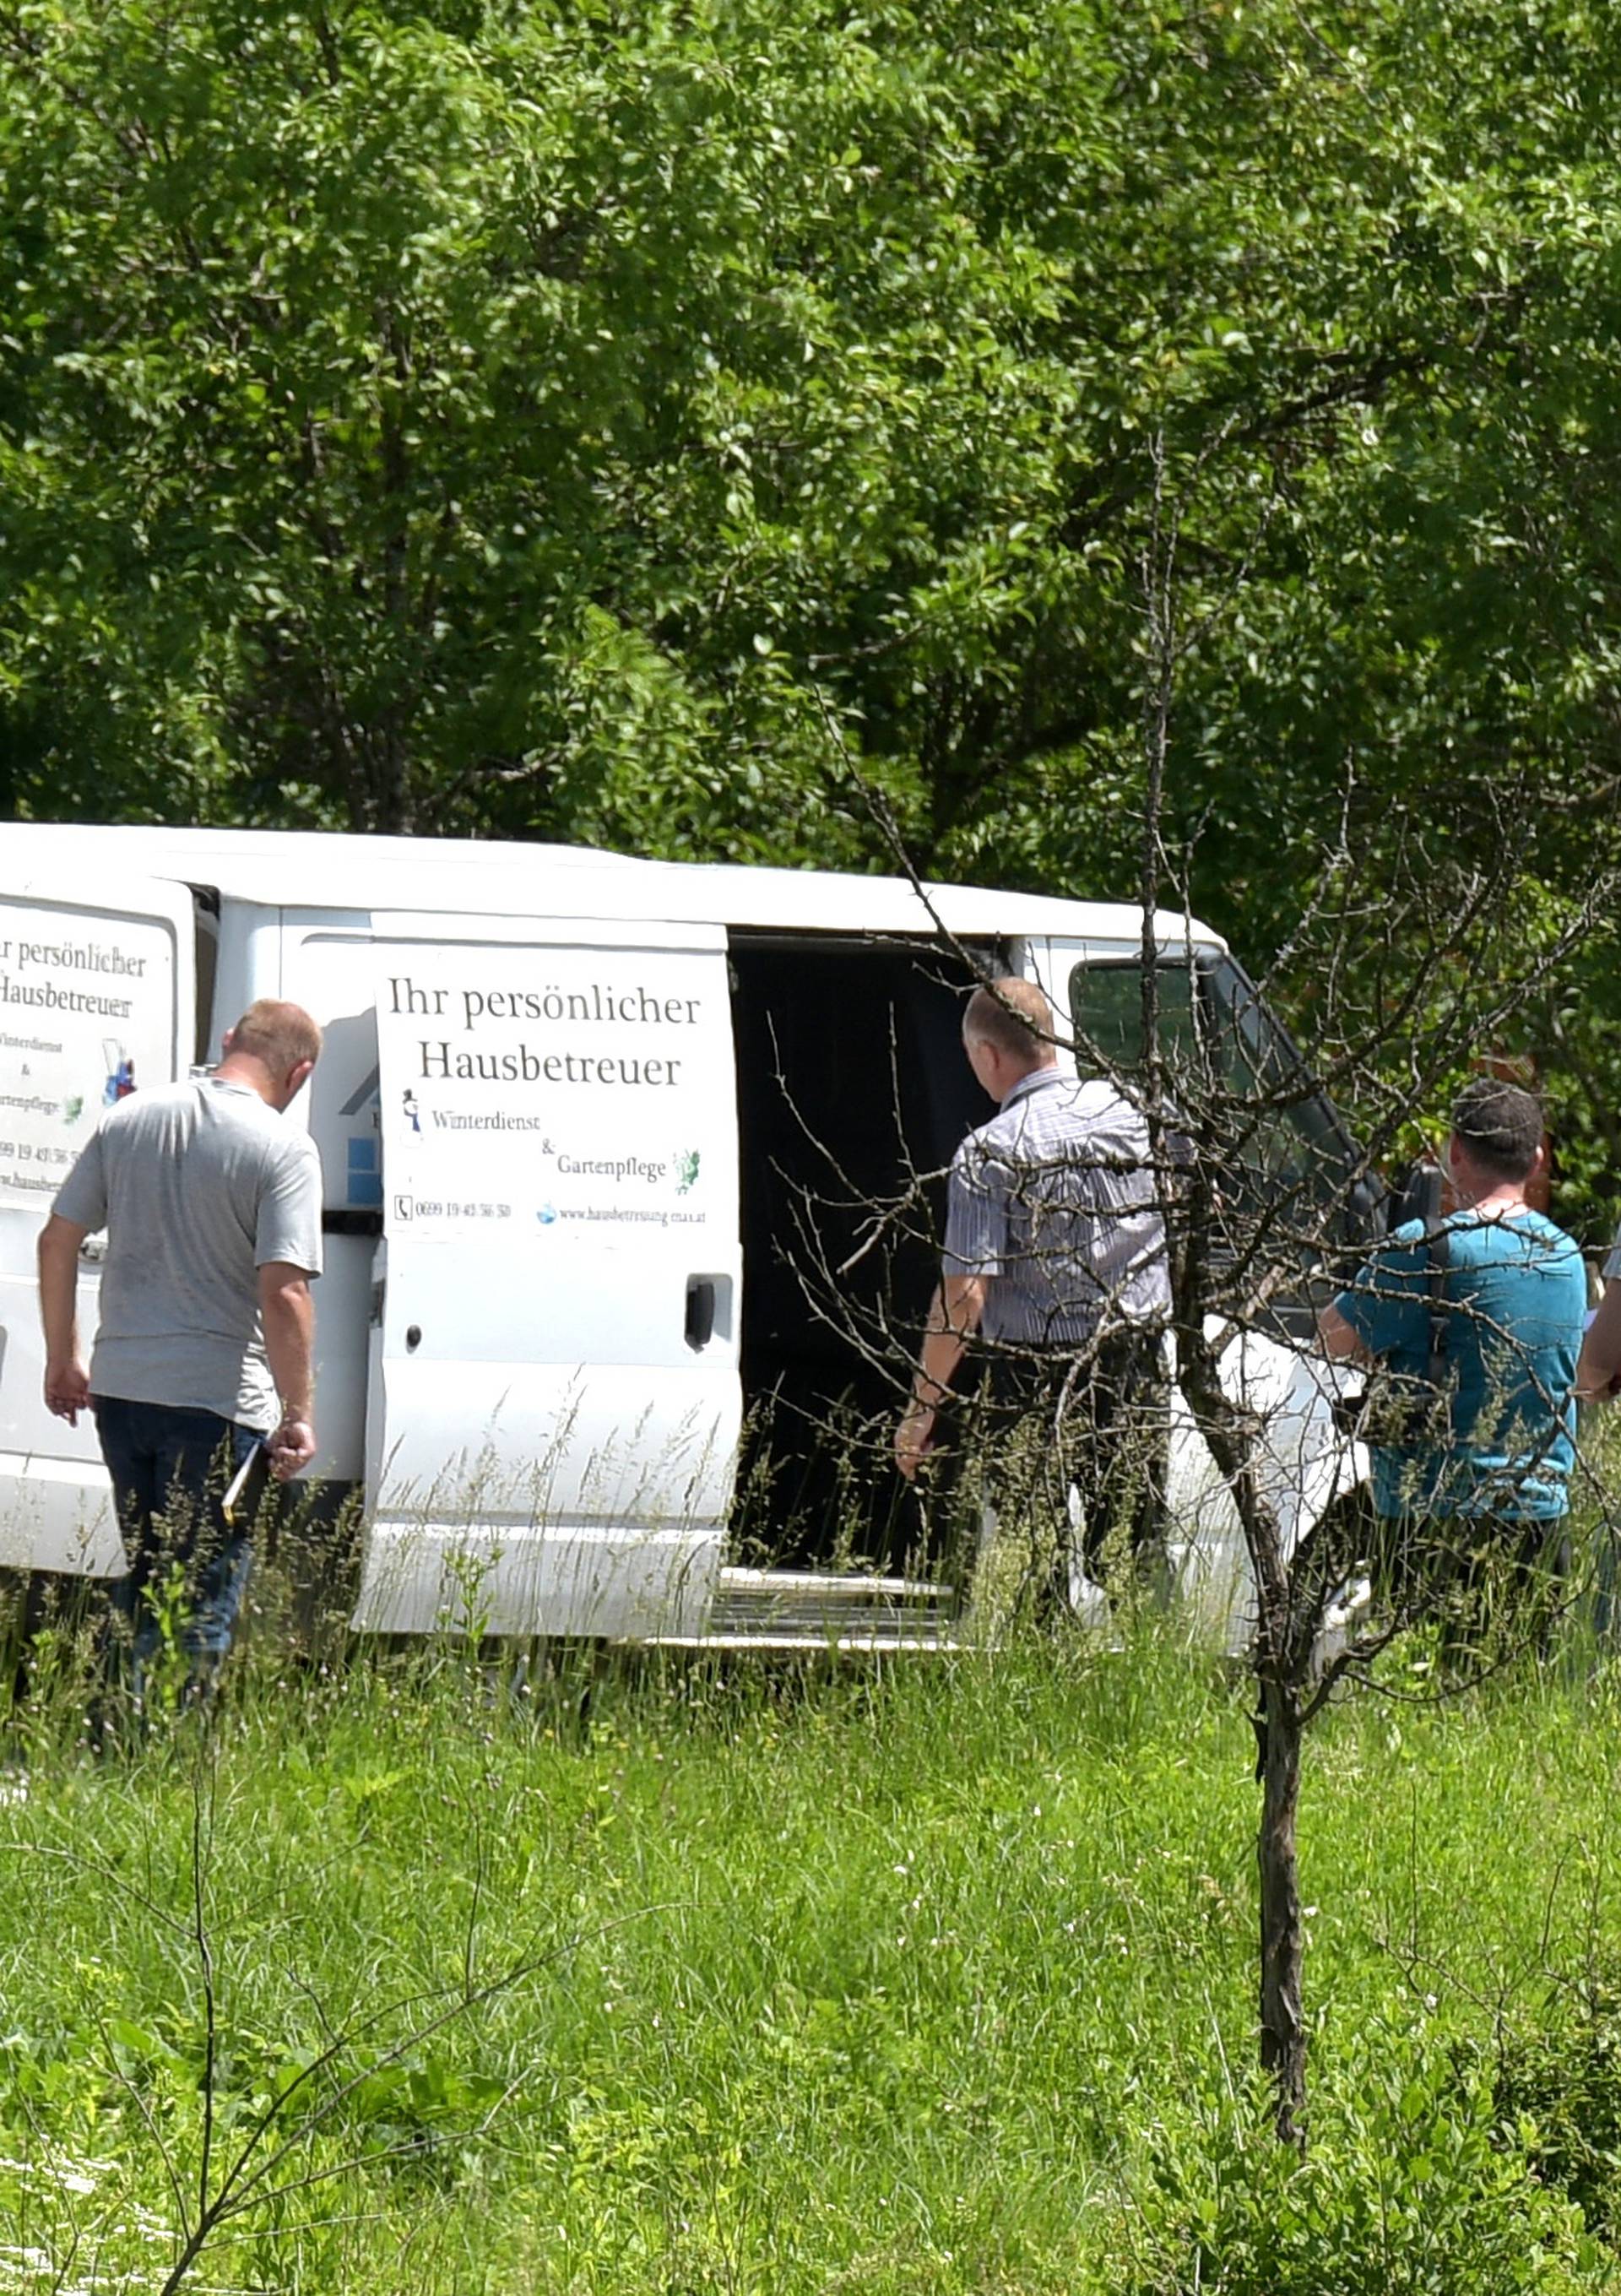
x=658, y=428
x=1556, y=2084
x=1410, y=2191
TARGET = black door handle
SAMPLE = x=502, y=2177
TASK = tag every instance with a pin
x=701, y=1311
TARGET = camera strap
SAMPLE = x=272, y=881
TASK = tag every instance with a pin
x=1436, y=1232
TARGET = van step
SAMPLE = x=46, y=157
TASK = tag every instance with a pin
x=846, y=1610
x=804, y=1643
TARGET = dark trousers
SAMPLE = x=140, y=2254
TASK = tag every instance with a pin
x=170, y=1470
x=1487, y=1578
x=1095, y=1421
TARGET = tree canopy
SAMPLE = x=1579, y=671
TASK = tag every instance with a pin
x=704, y=429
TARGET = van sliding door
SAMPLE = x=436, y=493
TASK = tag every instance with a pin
x=96, y=1000
x=555, y=1402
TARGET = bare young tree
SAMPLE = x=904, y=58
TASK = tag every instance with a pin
x=1419, y=975
x=1270, y=1203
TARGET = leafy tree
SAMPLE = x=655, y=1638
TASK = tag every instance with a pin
x=554, y=424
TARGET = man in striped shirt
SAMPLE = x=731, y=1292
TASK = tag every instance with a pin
x=1054, y=1268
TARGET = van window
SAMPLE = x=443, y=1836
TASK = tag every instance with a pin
x=1216, y=1033
x=1106, y=1009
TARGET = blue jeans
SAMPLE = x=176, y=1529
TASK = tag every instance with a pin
x=170, y=1469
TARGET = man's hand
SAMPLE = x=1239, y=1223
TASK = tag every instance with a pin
x=292, y=1448
x=67, y=1388
x=914, y=1437
x=66, y=1383
x=953, y=1314
x=1337, y=1339
x=290, y=1334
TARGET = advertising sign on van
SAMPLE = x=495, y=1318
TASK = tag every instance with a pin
x=87, y=1017
x=582, y=1089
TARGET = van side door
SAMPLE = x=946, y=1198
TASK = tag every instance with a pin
x=554, y=1401
x=1292, y=1179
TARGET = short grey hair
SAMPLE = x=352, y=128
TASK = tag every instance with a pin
x=1014, y=1016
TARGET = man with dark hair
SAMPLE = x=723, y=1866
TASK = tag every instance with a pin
x=212, y=1208
x=1054, y=1266
x=1479, y=1323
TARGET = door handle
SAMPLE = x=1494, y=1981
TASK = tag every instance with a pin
x=700, y=1312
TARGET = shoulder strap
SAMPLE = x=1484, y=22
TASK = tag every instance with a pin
x=1436, y=1254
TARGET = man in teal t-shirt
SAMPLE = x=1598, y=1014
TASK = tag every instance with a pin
x=1494, y=1478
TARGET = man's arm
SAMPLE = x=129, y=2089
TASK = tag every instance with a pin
x=67, y=1386
x=289, y=1315
x=1600, y=1367
x=953, y=1318
x=1336, y=1340
x=1384, y=1308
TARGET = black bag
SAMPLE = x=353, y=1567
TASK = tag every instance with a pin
x=1411, y=1411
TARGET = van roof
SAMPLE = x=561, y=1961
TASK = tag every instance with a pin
x=311, y=869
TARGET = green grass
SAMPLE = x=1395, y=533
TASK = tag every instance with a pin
x=936, y=1979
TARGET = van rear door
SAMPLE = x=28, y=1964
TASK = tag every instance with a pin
x=97, y=999
x=554, y=1401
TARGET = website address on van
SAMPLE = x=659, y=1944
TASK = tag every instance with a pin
x=642, y=1215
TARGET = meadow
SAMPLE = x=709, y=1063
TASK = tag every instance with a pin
x=675, y=1978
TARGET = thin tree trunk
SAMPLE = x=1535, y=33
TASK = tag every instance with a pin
x=1282, y=2029
x=1281, y=1671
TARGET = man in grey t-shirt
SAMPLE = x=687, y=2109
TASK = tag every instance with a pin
x=212, y=1208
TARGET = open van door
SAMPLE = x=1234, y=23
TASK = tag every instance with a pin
x=1293, y=1156
x=1296, y=1161
x=97, y=999
x=554, y=1403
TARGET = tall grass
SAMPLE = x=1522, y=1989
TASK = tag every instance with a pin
x=673, y=1977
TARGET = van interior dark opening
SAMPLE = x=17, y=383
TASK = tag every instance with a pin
x=853, y=1094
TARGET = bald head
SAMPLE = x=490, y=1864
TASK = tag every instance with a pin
x=1013, y=1018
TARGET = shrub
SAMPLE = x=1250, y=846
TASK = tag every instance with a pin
x=1408, y=2189
x=1556, y=2090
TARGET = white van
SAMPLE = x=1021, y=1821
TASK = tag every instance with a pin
x=598, y=1333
